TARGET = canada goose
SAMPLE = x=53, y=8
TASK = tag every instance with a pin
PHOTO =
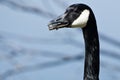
x=81, y=16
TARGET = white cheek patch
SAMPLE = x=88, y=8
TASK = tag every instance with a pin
x=81, y=21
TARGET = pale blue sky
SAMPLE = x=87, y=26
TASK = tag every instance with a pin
x=29, y=32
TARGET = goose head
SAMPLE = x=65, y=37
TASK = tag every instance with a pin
x=76, y=15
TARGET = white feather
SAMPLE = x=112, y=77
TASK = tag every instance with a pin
x=81, y=21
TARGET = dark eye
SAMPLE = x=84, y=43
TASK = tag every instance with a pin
x=77, y=11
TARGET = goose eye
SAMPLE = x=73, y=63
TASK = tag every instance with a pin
x=77, y=11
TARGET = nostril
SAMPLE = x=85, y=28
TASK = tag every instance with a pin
x=58, y=19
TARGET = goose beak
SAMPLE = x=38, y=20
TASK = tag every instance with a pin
x=60, y=22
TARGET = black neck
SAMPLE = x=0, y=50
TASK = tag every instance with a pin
x=91, y=67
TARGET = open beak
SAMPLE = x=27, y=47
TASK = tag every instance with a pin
x=60, y=22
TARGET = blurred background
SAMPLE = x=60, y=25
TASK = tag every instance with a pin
x=29, y=51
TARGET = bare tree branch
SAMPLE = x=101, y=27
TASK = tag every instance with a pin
x=25, y=8
x=25, y=69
